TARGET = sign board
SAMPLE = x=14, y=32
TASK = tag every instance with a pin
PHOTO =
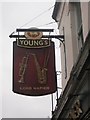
x=34, y=71
x=29, y=43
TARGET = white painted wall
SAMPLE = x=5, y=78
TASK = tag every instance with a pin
x=65, y=22
x=66, y=18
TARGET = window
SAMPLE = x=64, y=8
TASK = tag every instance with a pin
x=76, y=28
x=78, y=20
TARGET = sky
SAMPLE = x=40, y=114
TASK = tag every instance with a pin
x=23, y=15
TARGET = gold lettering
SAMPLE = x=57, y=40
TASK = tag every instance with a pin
x=46, y=42
x=25, y=88
x=35, y=42
x=25, y=42
x=40, y=42
x=76, y=111
x=21, y=42
x=41, y=88
x=30, y=43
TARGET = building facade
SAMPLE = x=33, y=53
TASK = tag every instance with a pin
x=73, y=22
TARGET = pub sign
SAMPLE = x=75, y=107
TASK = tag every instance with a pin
x=34, y=71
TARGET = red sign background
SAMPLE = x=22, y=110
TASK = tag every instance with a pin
x=26, y=76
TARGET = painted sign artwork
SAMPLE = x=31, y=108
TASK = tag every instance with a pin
x=34, y=71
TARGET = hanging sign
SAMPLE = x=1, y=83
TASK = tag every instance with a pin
x=34, y=68
x=33, y=40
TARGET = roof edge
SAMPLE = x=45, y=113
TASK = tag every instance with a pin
x=55, y=11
